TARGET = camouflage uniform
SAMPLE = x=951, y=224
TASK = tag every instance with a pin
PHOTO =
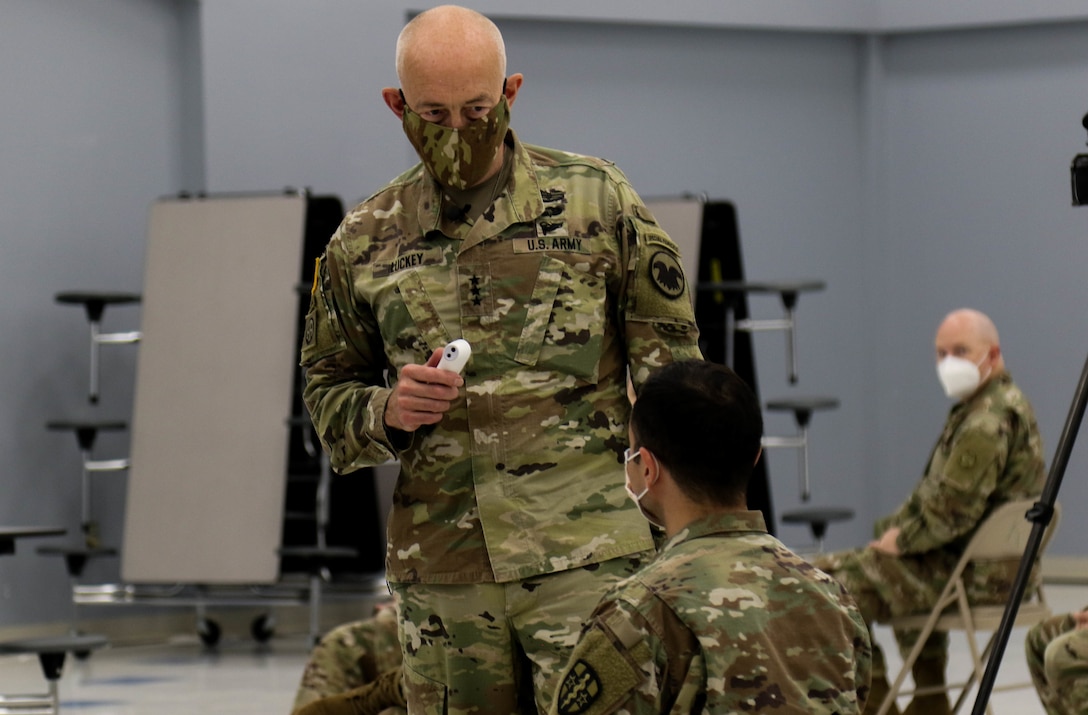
x=1057, y=654
x=726, y=619
x=989, y=453
x=349, y=656
x=560, y=286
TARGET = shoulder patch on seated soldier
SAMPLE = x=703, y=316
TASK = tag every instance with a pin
x=600, y=678
x=579, y=690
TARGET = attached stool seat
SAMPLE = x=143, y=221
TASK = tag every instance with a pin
x=95, y=305
x=86, y=432
x=802, y=409
x=51, y=652
x=76, y=558
x=787, y=291
x=817, y=519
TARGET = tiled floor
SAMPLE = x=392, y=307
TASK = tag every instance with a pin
x=243, y=678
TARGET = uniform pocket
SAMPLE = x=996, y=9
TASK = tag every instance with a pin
x=564, y=321
x=424, y=695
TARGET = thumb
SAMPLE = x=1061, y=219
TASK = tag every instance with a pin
x=436, y=357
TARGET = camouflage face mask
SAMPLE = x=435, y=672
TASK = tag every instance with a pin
x=458, y=158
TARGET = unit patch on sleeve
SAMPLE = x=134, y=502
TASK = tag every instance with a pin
x=667, y=274
x=579, y=690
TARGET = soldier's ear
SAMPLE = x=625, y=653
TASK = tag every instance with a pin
x=513, y=84
x=394, y=100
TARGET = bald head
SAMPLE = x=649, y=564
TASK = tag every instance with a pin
x=973, y=322
x=970, y=334
x=449, y=33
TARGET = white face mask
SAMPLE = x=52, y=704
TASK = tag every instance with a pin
x=959, y=377
x=637, y=498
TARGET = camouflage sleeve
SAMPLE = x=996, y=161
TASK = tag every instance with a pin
x=345, y=365
x=608, y=670
x=1066, y=668
x=658, y=309
x=951, y=500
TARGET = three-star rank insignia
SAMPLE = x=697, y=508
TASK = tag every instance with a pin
x=579, y=690
x=667, y=274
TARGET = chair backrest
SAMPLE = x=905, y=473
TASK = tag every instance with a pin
x=1005, y=533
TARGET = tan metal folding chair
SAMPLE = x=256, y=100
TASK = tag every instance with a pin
x=1002, y=536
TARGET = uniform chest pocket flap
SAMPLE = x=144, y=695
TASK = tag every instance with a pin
x=564, y=321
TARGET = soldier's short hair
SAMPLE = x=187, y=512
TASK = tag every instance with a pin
x=703, y=422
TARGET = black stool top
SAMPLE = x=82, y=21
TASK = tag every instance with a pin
x=96, y=302
x=77, y=425
x=803, y=407
x=806, y=286
x=787, y=289
x=318, y=553
x=86, y=431
x=54, y=644
x=817, y=518
x=8, y=535
x=817, y=514
x=76, y=557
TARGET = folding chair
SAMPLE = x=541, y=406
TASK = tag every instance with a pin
x=1002, y=536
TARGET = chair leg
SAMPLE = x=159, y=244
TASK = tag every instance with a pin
x=908, y=664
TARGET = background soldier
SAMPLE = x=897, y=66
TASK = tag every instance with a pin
x=1057, y=653
x=988, y=453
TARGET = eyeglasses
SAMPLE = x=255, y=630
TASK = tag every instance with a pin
x=628, y=455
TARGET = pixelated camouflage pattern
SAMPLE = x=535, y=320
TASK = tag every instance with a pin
x=726, y=619
x=458, y=158
x=383, y=696
x=349, y=656
x=989, y=453
x=561, y=287
x=465, y=646
x=1057, y=655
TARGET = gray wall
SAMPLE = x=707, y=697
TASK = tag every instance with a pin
x=91, y=124
x=914, y=161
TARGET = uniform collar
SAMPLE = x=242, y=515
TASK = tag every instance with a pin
x=733, y=522
x=518, y=202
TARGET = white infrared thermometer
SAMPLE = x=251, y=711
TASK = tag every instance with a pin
x=455, y=356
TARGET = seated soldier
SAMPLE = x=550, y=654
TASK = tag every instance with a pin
x=350, y=656
x=1057, y=652
x=725, y=618
x=989, y=452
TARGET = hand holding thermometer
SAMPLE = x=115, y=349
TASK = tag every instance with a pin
x=455, y=356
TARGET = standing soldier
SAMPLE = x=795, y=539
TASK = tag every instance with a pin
x=509, y=519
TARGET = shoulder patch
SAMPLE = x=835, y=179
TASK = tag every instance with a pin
x=602, y=674
x=667, y=274
x=579, y=690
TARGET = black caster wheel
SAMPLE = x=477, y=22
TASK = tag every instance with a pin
x=209, y=632
x=262, y=628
